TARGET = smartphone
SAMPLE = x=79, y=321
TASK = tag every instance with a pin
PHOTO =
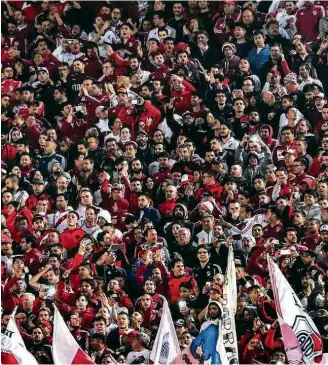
x=285, y=252
x=134, y=102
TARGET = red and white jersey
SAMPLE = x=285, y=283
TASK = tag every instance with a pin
x=23, y=110
x=8, y=86
x=58, y=220
x=307, y=21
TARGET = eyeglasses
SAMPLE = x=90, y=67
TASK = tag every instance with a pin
x=202, y=252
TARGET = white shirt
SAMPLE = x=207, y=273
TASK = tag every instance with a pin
x=108, y=38
x=142, y=357
x=20, y=195
x=309, y=81
x=154, y=33
x=103, y=125
x=64, y=56
x=55, y=217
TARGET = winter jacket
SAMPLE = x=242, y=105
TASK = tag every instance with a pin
x=258, y=60
x=70, y=238
x=45, y=161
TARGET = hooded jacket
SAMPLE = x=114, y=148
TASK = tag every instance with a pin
x=211, y=321
x=270, y=142
x=10, y=150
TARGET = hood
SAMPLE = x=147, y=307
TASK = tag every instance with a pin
x=253, y=154
x=218, y=304
x=106, y=215
x=51, y=164
x=185, y=217
x=13, y=130
x=267, y=126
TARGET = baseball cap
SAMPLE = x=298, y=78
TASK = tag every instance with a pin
x=5, y=239
x=186, y=179
x=181, y=46
x=38, y=181
x=290, y=151
x=179, y=323
x=216, y=288
x=117, y=187
x=42, y=69
x=310, y=253
x=319, y=95
x=122, y=310
x=121, y=90
x=324, y=227
x=276, y=73
x=101, y=108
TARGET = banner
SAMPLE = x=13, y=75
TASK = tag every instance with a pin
x=302, y=340
x=13, y=345
x=229, y=305
x=65, y=350
x=203, y=349
x=166, y=346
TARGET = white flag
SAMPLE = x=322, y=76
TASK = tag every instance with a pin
x=166, y=346
x=65, y=350
x=229, y=335
x=12, y=342
x=301, y=337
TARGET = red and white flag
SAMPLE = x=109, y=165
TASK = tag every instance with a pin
x=166, y=346
x=229, y=306
x=65, y=350
x=302, y=340
x=13, y=349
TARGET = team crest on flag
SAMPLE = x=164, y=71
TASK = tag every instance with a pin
x=308, y=338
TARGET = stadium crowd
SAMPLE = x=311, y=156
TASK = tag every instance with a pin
x=140, y=140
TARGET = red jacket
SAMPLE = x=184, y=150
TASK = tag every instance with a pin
x=315, y=169
x=87, y=316
x=161, y=175
x=9, y=299
x=311, y=241
x=8, y=86
x=272, y=344
x=152, y=114
x=92, y=102
x=9, y=152
x=167, y=207
x=161, y=73
x=277, y=157
x=274, y=232
x=32, y=260
x=69, y=298
x=70, y=238
x=126, y=115
x=185, y=94
x=307, y=21
x=75, y=131
x=255, y=266
x=215, y=189
x=33, y=134
x=174, y=283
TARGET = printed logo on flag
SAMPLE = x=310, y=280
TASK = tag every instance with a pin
x=309, y=340
x=164, y=350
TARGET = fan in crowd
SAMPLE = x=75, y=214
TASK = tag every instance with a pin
x=141, y=141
